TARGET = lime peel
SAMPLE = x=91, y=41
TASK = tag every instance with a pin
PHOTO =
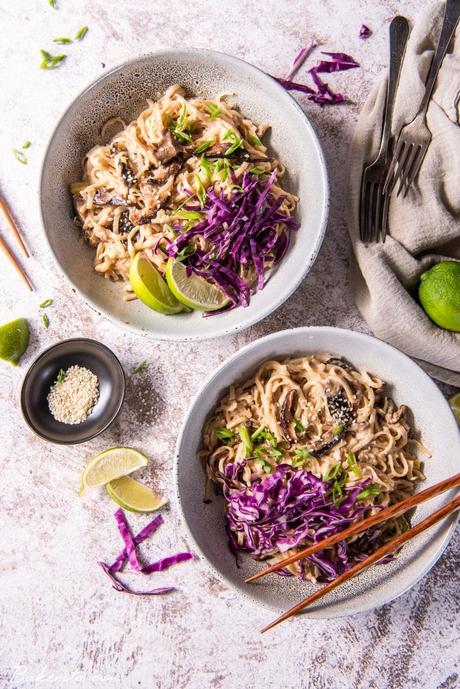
x=14, y=340
x=193, y=291
x=134, y=496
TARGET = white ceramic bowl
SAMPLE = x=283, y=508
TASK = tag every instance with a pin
x=124, y=91
x=407, y=384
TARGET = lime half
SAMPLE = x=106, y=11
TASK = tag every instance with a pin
x=439, y=294
x=14, y=339
x=134, y=496
x=455, y=406
x=151, y=288
x=109, y=465
x=193, y=291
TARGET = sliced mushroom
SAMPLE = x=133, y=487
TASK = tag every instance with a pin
x=161, y=173
x=168, y=149
x=286, y=414
x=336, y=361
x=104, y=198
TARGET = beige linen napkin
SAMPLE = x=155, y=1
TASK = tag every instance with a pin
x=425, y=226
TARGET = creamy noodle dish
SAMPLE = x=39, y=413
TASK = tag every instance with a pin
x=302, y=450
x=189, y=181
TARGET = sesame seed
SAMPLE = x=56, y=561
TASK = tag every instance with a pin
x=72, y=397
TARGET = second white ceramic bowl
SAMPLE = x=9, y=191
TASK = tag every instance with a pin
x=407, y=384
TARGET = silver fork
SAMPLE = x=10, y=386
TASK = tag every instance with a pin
x=373, y=215
x=414, y=137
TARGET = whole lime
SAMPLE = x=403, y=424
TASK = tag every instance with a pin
x=439, y=294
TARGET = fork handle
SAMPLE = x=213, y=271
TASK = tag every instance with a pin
x=449, y=24
x=399, y=33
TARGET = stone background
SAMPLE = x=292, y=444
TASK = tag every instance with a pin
x=61, y=624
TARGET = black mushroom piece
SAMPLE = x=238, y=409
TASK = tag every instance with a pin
x=124, y=224
x=341, y=412
x=127, y=173
x=285, y=415
x=162, y=173
x=104, y=198
x=168, y=149
x=336, y=361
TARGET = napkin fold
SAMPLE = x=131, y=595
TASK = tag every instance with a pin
x=424, y=227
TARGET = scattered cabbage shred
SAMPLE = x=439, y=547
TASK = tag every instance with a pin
x=129, y=554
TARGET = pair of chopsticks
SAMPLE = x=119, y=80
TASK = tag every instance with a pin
x=4, y=246
x=394, y=511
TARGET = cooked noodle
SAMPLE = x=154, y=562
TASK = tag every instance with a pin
x=134, y=189
x=321, y=409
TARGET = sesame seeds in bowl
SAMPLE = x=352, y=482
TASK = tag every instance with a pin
x=73, y=391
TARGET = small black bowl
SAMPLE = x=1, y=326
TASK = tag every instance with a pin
x=43, y=373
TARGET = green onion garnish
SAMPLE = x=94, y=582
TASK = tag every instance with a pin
x=353, y=463
x=19, y=155
x=62, y=40
x=46, y=303
x=140, y=367
x=368, y=492
x=81, y=33
x=206, y=167
x=27, y=144
x=213, y=110
x=246, y=440
x=46, y=320
x=257, y=170
x=301, y=453
x=184, y=253
x=338, y=430
x=204, y=146
x=275, y=452
x=298, y=426
x=50, y=61
x=257, y=433
x=225, y=434
x=337, y=493
x=235, y=142
x=52, y=3
x=201, y=191
x=332, y=472
x=267, y=468
x=254, y=140
x=60, y=375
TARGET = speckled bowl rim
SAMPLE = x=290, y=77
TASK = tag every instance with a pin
x=324, y=612
x=258, y=315
x=36, y=363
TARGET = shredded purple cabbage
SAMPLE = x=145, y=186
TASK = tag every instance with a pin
x=129, y=553
x=364, y=31
x=292, y=508
x=241, y=230
x=323, y=95
x=301, y=57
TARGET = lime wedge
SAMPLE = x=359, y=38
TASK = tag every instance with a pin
x=455, y=406
x=194, y=291
x=134, y=496
x=151, y=288
x=109, y=465
x=14, y=339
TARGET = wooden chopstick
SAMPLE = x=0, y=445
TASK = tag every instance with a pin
x=12, y=224
x=442, y=512
x=394, y=511
x=15, y=263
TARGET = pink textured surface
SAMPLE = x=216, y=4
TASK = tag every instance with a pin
x=62, y=624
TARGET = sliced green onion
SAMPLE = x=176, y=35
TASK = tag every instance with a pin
x=184, y=253
x=257, y=170
x=201, y=191
x=46, y=320
x=140, y=367
x=52, y=3
x=275, y=452
x=81, y=33
x=50, y=61
x=225, y=434
x=337, y=493
x=267, y=468
x=62, y=40
x=246, y=440
x=19, y=155
x=257, y=433
x=213, y=110
x=46, y=303
x=332, y=472
x=298, y=426
x=368, y=492
x=27, y=144
x=230, y=135
x=206, y=166
x=182, y=135
x=353, y=463
x=60, y=375
x=338, y=430
x=189, y=215
x=302, y=453
x=254, y=140
x=204, y=146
